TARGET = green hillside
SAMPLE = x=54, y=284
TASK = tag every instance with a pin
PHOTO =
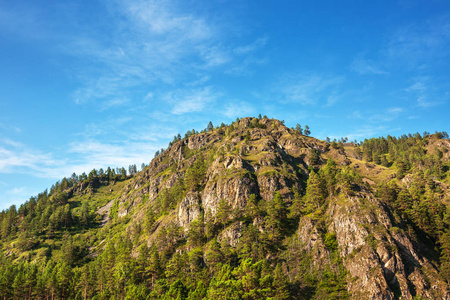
x=250, y=210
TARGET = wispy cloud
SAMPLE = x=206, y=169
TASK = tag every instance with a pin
x=160, y=43
x=259, y=43
x=18, y=158
x=379, y=115
x=195, y=100
x=418, y=45
x=16, y=191
x=425, y=94
x=364, y=132
x=364, y=66
x=238, y=109
x=93, y=148
x=9, y=127
x=95, y=154
x=310, y=89
x=113, y=103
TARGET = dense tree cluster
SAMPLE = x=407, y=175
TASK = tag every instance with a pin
x=419, y=203
x=408, y=153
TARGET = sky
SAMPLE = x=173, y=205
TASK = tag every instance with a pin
x=90, y=83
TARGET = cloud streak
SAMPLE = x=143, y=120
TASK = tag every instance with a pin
x=425, y=94
x=18, y=158
x=191, y=100
x=159, y=44
x=238, y=109
x=419, y=45
x=310, y=89
x=364, y=67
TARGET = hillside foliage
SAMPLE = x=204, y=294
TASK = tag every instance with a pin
x=58, y=246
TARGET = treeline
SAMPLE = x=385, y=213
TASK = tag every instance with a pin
x=408, y=153
x=420, y=205
x=419, y=201
x=50, y=211
x=42, y=217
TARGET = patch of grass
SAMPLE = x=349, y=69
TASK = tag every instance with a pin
x=187, y=153
x=395, y=230
x=100, y=198
x=371, y=241
x=330, y=241
x=233, y=173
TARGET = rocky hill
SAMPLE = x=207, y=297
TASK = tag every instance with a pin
x=252, y=210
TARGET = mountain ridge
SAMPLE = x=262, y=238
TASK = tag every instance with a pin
x=255, y=198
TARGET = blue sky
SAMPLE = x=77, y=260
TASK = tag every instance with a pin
x=90, y=84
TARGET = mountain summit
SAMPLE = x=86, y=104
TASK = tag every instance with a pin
x=253, y=210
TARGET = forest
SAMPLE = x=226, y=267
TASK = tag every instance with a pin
x=60, y=244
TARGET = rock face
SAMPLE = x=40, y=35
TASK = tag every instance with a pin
x=232, y=234
x=189, y=209
x=383, y=262
x=263, y=157
x=234, y=190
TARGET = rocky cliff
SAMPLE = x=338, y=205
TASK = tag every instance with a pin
x=381, y=254
x=251, y=210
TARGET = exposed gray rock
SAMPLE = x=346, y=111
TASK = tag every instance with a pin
x=189, y=209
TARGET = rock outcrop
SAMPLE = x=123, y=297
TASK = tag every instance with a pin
x=262, y=157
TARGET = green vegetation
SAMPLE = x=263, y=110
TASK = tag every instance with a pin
x=56, y=245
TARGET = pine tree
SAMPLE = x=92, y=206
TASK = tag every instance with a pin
x=306, y=131
x=210, y=126
x=276, y=219
x=315, y=193
x=223, y=213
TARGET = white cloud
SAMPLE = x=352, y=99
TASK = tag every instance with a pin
x=215, y=56
x=15, y=196
x=395, y=110
x=332, y=99
x=423, y=101
x=10, y=127
x=16, y=191
x=90, y=151
x=200, y=81
x=378, y=116
x=363, y=66
x=418, y=45
x=163, y=18
x=238, y=109
x=425, y=93
x=417, y=87
x=244, y=67
x=356, y=115
x=195, y=100
x=387, y=115
x=113, y=103
x=259, y=43
x=18, y=158
x=156, y=43
x=148, y=97
x=310, y=89
x=95, y=154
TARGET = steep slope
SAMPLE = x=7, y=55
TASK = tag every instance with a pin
x=252, y=210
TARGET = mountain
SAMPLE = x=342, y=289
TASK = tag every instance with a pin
x=253, y=210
